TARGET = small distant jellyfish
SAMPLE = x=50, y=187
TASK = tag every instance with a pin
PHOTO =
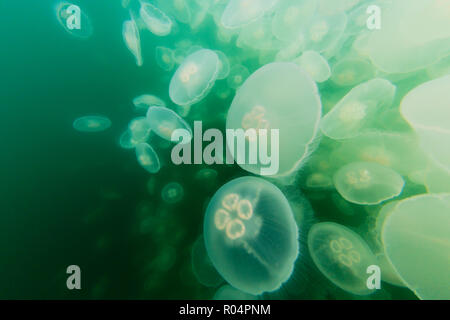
x=238, y=74
x=164, y=122
x=172, y=193
x=74, y=20
x=165, y=58
x=91, y=123
x=194, y=77
x=224, y=65
x=367, y=183
x=126, y=140
x=342, y=256
x=355, y=112
x=227, y=292
x=239, y=13
x=350, y=72
x=316, y=65
x=156, y=20
x=130, y=33
x=147, y=157
x=202, y=266
x=251, y=235
x=144, y=101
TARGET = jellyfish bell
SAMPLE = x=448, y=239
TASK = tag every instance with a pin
x=202, y=266
x=316, y=65
x=165, y=58
x=147, y=157
x=139, y=128
x=164, y=122
x=224, y=65
x=227, y=292
x=91, y=123
x=132, y=39
x=350, y=72
x=250, y=235
x=172, y=193
x=74, y=20
x=239, y=13
x=156, y=20
x=194, y=77
x=144, y=101
x=238, y=74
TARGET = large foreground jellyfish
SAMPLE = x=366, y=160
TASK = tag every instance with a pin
x=155, y=19
x=426, y=108
x=367, y=183
x=354, y=113
x=251, y=235
x=147, y=157
x=342, y=256
x=416, y=236
x=74, y=20
x=227, y=292
x=194, y=77
x=130, y=33
x=164, y=122
x=91, y=123
x=239, y=13
x=279, y=97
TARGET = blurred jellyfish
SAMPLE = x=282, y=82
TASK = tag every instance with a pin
x=143, y=102
x=156, y=21
x=350, y=72
x=289, y=52
x=224, y=65
x=194, y=77
x=353, y=113
x=202, y=266
x=139, y=128
x=91, y=123
x=251, y=235
x=164, y=121
x=327, y=7
x=278, y=96
x=316, y=65
x=126, y=140
x=147, y=157
x=206, y=177
x=416, y=236
x=132, y=39
x=258, y=35
x=165, y=58
x=176, y=8
x=238, y=74
x=172, y=192
x=367, y=183
x=239, y=13
x=324, y=32
x=342, y=256
x=227, y=292
x=73, y=20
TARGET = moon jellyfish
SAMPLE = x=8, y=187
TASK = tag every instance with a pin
x=156, y=21
x=357, y=109
x=91, y=123
x=130, y=33
x=73, y=20
x=324, y=32
x=143, y=102
x=165, y=58
x=139, y=128
x=202, y=266
x=224, y=65
x=172, y=192
x=316, y=65
x=426, y=108
x=342, y=256
x=350, y=72
x=238, y=74
x=194, y=77
x=126, y=140
x=176, y=8
x=147, y=157
x=239, y=13
x=227, y=292
x=258, y=35
x=416, y=236
x=367, y=183
x=251, y=235
x=164, y=121
x=278, y=96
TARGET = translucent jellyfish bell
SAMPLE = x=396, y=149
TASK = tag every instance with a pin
x=172, y=192
x=367, y=183
x=126, y=140
x=251, y=235
x=356, y=110
x=227, y=292
x=130, y=33
x=324, y=32
x=239, y=13
x=279, y=96
x=202, y=266
x=156, y=20
x=165, y=58
x=147, y=157
x=416, y=236
x=164, y=121
x=238, y=74
x=224, y=65
x=140, y=129
x=194, y=77
x=341, y=255
x=316, y=65
x=78, y=25
x=144, y=101
x=91, y=123
x=350, y=72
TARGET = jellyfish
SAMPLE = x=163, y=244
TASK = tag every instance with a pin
x=139, y=128
x=164, y=122
x=224, y=65
x=350, y=72
x=126, y=140
x=258, y=35
x=250, y=235
x=431, y=123
x=279, y=96
x=144, y=101
x=74, y=20
x=239, y=13
x=316, y=65
x=238, y=74
x=227, y=292
x=172, y=192
x=342, y=256
x=324, y=32
x=202, y=266
x=91, y=123
x=367, y=183
x=290, y=51
x=416, y=237
x=156, y=20
x=327, y=7
x=165, y=58
x=354, y=113
x=147, y=157
x=130, y=33
x=176, y=8
x=194, y=77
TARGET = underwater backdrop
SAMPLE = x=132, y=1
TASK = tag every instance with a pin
x=123, y=176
